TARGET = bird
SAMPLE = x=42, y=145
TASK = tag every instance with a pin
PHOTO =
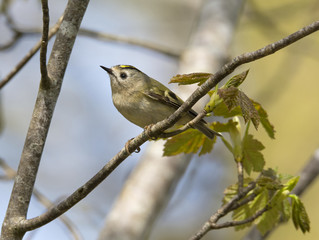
x=144, y=101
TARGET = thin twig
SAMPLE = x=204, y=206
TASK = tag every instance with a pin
x=108, y=37
x=128, y=40
x=188, y=125
x=17, y=35
x=44, y=43
x=222, y=211
x=238, y=204
x=29, y=55
x=10, y=174
x=242, y=222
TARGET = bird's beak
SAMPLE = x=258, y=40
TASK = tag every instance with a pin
x=109, y=70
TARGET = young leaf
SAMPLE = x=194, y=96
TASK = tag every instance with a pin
x=189, y=141
x=224, y=127
x=264, y=120
x=269, y=183
x=230, y=96
x=248, y=110
x=235, y=81
x=232, y=190
x=253, y=158
x=233, y=98
x=299, y=215
x=222, y=110
x=268, y=220
x=191, y=78
x=248, y=210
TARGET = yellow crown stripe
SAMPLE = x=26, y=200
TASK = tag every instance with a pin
x=126, y=66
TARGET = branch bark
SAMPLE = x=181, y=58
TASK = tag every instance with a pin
x=41, y=119
x=29, y=55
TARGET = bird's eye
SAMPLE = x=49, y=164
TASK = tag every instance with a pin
x=123, y=75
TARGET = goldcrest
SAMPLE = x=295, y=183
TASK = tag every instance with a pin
x=143, y=101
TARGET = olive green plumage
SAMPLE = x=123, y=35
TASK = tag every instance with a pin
x=143, y=100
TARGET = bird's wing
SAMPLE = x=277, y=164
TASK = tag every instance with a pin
x=169, y=98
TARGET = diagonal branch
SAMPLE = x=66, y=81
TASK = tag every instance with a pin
x=241, y=222
x=29, y=55
x=222, y=211
x=156, y=129
x=10, y=174
x=126, y=40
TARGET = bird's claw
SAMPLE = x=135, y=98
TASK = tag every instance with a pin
x=137, y=150
x=148, y=131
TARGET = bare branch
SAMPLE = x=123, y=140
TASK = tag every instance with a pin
x=84, y=190
x=40, y=122
x=17, y=35
x=188, y=125
x=242, y=222
x=29, y=55
x=10, y=173
x=54, y=212
x=44, y=43
x=157, y=129
x=121, y=39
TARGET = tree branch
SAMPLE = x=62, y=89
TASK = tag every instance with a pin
x=29, y=55
x=10, y=174
x=126, y=40
x=222, y=211
x=242, y=222
x=40, y=122
x=44, y=43
x=156, y=129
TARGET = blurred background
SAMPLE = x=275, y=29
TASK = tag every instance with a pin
x=87, y=130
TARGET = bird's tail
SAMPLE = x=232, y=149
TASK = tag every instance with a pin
x=206, y=130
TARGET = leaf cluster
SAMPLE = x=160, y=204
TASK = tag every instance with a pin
x=272, y=194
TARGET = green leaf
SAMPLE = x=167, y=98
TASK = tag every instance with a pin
x=264, y=120
x=235, y=81
x=233, y=128
x=230, y=96
x=268, y=220
x=189, y=141
x=191, y=78
x=232, y=190
x=223, y=111
x=224, y=127
x=291, y=183
x=269, y=183
x=253, y=158
x=248, y=110
x=299, y=215
x=233, y=98
x=248, y=210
